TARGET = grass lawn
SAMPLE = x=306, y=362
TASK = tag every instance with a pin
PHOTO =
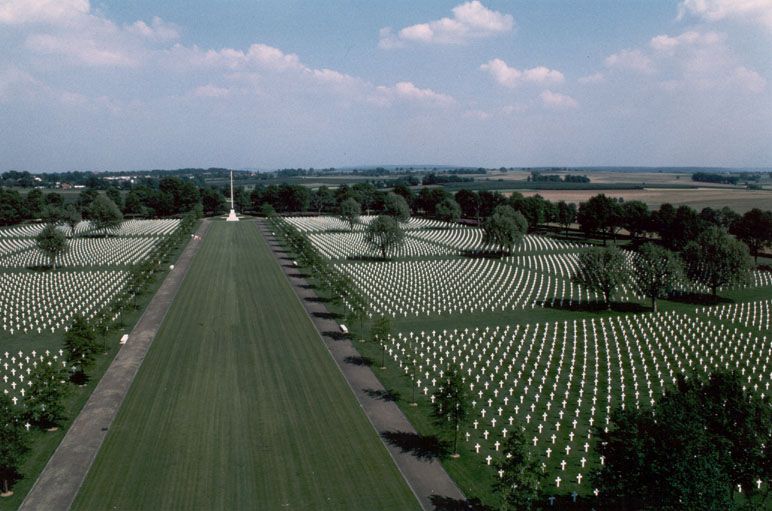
x=238, y=404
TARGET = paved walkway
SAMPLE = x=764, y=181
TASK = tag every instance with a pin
x=425, y=475
x=61, y=479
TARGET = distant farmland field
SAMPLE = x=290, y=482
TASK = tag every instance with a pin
x=739, y=200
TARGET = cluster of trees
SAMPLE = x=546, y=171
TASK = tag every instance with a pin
x=710, y=177
x=437, y=179
x=538, y=177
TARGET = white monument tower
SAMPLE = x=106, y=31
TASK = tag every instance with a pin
x=232, y=215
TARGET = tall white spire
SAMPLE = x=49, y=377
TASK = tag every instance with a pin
x=232, y=215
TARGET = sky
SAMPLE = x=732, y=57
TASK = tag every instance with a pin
x=116, y=85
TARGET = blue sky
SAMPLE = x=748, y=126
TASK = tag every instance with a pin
x=114, y=85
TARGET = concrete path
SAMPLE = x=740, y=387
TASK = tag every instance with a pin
x=425, y=475
x=61, y=479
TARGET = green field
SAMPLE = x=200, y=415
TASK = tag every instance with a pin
x=238, y=404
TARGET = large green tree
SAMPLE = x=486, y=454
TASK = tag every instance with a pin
x=451, y=405
x=600, y=214
x=384, y=235
x=448, y=210
x=657, y=271
x=72, y=217
x=603, y=270
x=691, y=451
x=52, y=243
x=717, y=259
x=380, y=331
x=505, y=228
x=80, y=345
x=104, y=214
x=44, y=399
x=520, y=476
x=396, y=206
x=350, y=211
x=754, y=229
x=14, y=442
x=566, y=215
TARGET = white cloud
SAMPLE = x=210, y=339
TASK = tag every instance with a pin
x=753, y=11
x=158, y=30
x=749, y=79
x=480, y=115
x=669, y=43
x=512, y=77
x=407, y=91
x=471, y=20
x=634, y=60
x=17, y=12
x=557, y=100
x=86, y=51
x=592, y=78
x=209, y=91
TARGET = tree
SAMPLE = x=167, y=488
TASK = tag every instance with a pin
x=11, y=207
x=690, y=451
x=80, y=347
x=599, y=214
x=504, y=228
x=448, y=210
x=104, y=214
x=532, y=208
x=384, y=234
x=14, y=442
x=520, y=484
x=469, y=202
x=602, y=270
x=71, y=216
x=657, y=271
x=717, y=259
x=115, y=195
x=754, y=229
x=44, y=398
x=85, y=198
x=34, y=203
x=350, y=211
x=635, y=217
x=365, y=194
x=396, y=206
x=322, y=199
x=451, y=403
x=52, y=243
x=566, y=215
x=213, y=200
x=380, y=331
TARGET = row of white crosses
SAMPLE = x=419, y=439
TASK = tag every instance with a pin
x=15, y=370
x=10, y=246
x=89, y=252
x=755, y=315
x=162, y=227
x=352, y=244
x=469, y=239
x=32, y=230
x=320, y=224
x=457, y=286
x=46, y=302
x=561, y=380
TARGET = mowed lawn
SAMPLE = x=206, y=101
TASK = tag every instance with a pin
x=238, y=404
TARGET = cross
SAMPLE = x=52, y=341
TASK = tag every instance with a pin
x=488, y=459
x=557, y=483
x=579, y=478
x=563, y=465
x=583, y=461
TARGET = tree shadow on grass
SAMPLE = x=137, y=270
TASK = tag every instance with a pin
x=699, y=299
x=422, y=447
x=383, y=394
x=327, y=315
x=367, y=259
x=359, y=361
x=484, y=254
x=598, y=307
x=442, y=503
x=317, y=299
x=336, y=336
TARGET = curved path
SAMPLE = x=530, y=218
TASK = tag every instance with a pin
x=427, y=478
x=60, y=480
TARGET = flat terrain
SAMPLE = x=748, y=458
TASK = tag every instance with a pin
x=739, y=200
x=238, y=404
